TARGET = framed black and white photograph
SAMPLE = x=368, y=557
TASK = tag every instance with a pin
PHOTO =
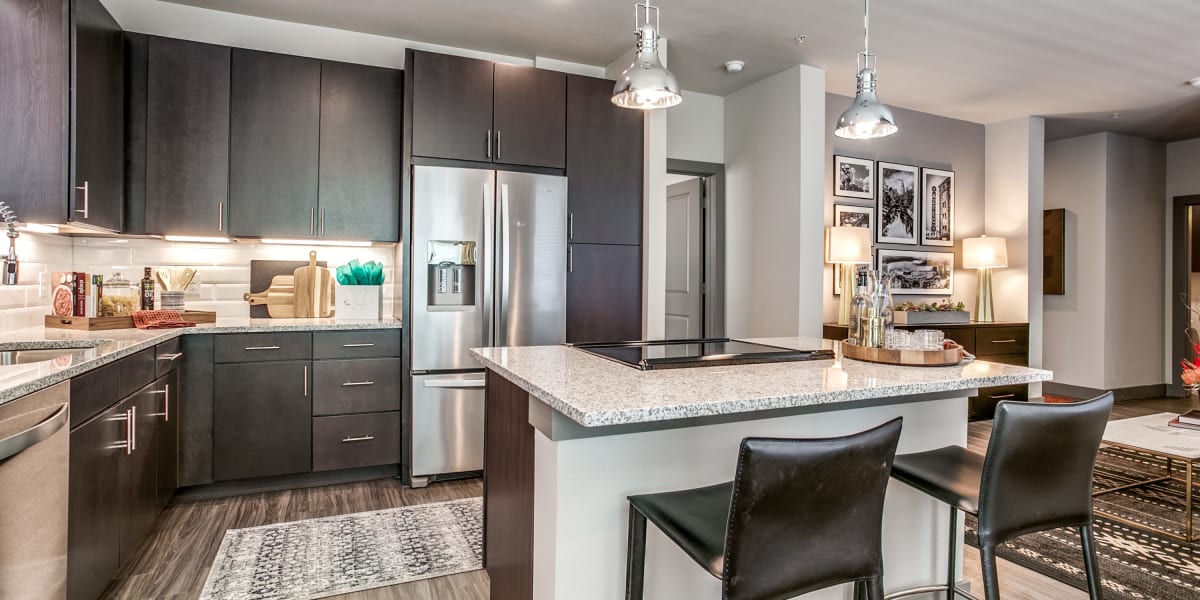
x=853, y=177
x=848, y=215
x=937, y=214
x=917, y=272
x=896, y=204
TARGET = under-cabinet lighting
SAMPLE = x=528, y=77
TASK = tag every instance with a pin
x=39, y=228
x=315, y=242
x=197, y=239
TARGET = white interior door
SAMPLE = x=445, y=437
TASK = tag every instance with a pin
x=685, y=260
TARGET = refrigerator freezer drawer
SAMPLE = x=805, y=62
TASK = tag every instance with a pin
x=447, y=423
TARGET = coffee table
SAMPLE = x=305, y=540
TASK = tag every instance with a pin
x=1152, y=435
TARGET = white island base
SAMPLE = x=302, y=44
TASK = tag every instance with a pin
x=581, y=511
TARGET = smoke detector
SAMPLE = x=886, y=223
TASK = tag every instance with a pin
x=735, y=66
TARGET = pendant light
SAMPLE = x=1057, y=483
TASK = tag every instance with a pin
x=646, y=84
x=866, y=118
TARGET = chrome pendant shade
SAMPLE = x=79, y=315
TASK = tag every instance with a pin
x=646, y=84
x=867, y=117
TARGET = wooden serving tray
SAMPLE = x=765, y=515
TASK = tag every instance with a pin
x=913, y=358
x=106, y=323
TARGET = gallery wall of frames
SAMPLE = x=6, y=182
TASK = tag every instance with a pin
x=910, y=212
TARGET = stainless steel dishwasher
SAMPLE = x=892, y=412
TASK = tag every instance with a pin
x=34, y=462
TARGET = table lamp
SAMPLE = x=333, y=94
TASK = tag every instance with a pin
x=847, y=246
x=984, y=253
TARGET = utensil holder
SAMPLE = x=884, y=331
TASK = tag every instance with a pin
x=171, y=300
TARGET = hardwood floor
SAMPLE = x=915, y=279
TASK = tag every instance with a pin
x=172, y=563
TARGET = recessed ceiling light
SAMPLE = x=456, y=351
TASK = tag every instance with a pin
x=800, y=39
x=735, y=66
x=1194, y=82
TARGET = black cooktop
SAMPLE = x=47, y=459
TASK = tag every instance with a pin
x=675, y=354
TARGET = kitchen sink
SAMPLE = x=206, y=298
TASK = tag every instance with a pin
x=24, y=353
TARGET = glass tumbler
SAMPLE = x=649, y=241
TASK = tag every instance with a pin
x=929, y=339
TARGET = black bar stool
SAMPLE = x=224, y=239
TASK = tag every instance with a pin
x=1037, y=475
x=800, y=515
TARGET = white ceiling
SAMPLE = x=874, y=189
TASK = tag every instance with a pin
x=978, y=60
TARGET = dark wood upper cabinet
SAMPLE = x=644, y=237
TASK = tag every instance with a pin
x=274, y=133
x=452, y=107
x=98, y=126
x=61, y=125
x=529, y=118
x=359, y=178
x=604, y=293
x=187, y=138
x=604, y=165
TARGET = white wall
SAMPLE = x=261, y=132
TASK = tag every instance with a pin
x=774, y=144
x=696, y=128
x=1076, y=180
x=924, y=140
x=1182, y=179
x=1013, y=199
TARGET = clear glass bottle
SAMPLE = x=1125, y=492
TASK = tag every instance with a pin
x=120, y=297
x=858, y=312
x=877, y=310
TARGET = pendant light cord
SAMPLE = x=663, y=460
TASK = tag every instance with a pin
x=866, y=27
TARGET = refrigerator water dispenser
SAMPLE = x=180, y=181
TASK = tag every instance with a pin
x=452, y=274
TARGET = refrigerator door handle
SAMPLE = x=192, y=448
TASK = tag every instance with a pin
x=489, y=244
x=503, y=269
x=455, y=383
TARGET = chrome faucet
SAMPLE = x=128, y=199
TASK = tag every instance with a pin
x=11, y=265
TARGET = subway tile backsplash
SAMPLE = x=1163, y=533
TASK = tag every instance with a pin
x=222, y=270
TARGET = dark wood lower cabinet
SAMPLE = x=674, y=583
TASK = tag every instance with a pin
x=167, y=395
x=139, y=468
x=604, y=293
x=94, y=508
x=262, y=419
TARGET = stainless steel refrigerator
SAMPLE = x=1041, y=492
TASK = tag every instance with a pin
x=489, y=267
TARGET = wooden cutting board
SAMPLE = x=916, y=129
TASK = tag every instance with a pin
x=278, y=298
x=264, y=274
x=314, y=295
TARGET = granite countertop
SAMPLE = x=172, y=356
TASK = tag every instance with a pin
x=98, y=348
x=596, y=392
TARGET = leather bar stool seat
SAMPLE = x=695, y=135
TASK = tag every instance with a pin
x=694, y=519
x=799, y=516
x=1036, y=476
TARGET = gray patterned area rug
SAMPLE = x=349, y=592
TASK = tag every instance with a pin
x=1134, y=564
x=316, y=558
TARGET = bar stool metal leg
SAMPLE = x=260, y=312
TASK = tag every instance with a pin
x=991, y=582
x=635, y=570
x=951, y=580
x=1091, y=563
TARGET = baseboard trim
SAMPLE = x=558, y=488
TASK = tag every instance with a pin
x=226, y=489
x=1137, y=392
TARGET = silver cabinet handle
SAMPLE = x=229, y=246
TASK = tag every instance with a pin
x=24, y=440
x=570, y=226
x=305, y=381
x=362, y=345
x=1004, y=341
x=127, y=444
x=221, y=216
x=261, y=348
x=357, y=383
x=167, y=403
x=173, y=356
x=84, y=187
x=570, y=259
x=361, y=438
x=497, y=144
x=312, y=221
x=131, y=425
x=1003, y=396
x=322, y=221
x=456, y=383
x=488, y=142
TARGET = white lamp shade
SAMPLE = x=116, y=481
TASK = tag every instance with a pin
x=848, y=245
x=985, y=253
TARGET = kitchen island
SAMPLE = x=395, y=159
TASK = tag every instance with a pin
x=571, y=435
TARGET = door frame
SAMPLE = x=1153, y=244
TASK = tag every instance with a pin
x=714, y=239
x=1180, y=274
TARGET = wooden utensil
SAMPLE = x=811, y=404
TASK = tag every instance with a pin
x=314, y=290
